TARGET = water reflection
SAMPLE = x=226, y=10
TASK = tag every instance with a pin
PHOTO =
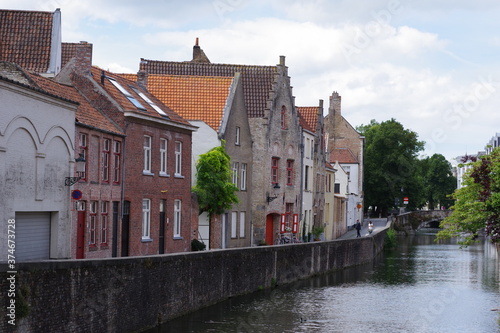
x=421, y=286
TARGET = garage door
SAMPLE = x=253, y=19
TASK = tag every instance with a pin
x=32, y=236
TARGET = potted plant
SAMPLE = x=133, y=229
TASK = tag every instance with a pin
x=316, y=232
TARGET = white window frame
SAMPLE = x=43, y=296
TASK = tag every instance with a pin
x=177, y=218
x=243, y=177
x=146, y=219
x=234, y=224
x=236, y=166
x=163, y=157
x=178, y=158
x=242, y=224
x=237, y=139
x=147, y=154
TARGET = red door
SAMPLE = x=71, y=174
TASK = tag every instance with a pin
x=269, y=230
x=80, y=234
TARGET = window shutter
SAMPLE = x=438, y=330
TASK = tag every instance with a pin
x=282, y=224
x=295, y=226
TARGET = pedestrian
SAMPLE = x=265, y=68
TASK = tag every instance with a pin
x=370, y=226
x=358, y=228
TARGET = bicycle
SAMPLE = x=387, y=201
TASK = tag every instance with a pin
x=281, y=239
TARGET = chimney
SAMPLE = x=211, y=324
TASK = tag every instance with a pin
x=83, y=55
x=196, y=50
x=282, y=60
x=142, y=79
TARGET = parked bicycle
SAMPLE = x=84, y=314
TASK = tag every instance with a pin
x=286, y=239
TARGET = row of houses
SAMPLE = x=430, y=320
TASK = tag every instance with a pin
x=95, y=164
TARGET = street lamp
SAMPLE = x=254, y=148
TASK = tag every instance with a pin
x=80, y=169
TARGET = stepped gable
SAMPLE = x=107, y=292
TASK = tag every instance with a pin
x=308, y=117
x=26, y=38
x=257, y=81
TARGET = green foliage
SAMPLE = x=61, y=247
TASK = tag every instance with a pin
x=215, y=191
x=390, y=239
x=439, y=182
x=317, y=231
x=196, y=245
x=477, y=206
x=390, y=164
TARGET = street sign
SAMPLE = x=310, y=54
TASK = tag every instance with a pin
x=76, y=194
x=405, y=200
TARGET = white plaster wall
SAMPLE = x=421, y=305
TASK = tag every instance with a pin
x=204, y=139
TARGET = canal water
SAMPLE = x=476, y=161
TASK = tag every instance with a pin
x=421, y=286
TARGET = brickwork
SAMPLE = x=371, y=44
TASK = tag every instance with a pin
x=132, y=294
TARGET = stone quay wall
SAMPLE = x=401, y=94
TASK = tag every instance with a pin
x=135, y=293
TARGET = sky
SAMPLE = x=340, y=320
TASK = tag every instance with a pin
x=432, y=65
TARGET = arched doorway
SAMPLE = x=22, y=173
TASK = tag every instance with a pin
x=272, y=221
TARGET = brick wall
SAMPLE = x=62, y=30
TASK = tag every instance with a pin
x=131, y=294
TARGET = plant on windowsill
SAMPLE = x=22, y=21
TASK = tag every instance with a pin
x=316, y=232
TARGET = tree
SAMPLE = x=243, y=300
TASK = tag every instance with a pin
x=477, y=206
x=390, y=165
x=214, y=188
x=439, y=182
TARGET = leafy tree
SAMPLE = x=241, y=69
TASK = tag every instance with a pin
x=439, y=182
x=214, y=188
x=390, y=165
x=477, y=206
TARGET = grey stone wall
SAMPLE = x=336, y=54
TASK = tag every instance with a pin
x=132, y=294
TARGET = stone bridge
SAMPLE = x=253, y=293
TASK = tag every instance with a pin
x=415, y=220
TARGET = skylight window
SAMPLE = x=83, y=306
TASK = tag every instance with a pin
x=150, y=102
x=127, y=94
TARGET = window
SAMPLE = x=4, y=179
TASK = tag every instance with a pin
x=328, y=183
x=178, y=158
x=308, y=147
x=242, y=224
x=311, y=153
x=147, y=154
x=234, y=224
x=117, y=150
x=127, y=94
x=237, y=139
x=235, y=173
x=146, y=218
x=306, y=178
x=289, y=215
x=177, y=218
x=150, y=102
x=163, y=156
x=283, y=117
x=104, y=222
x=93, y=222
x=336, y=188
x=243, y=177
x=275, y=170
x=289, y=172
x=106, y=151
x=83, y=151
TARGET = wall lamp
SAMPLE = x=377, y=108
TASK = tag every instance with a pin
x=80, y=169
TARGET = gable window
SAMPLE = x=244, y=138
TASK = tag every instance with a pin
x=275, y=170
x=146, y=218
x=289, y=172
x=147, y=154
x=127, y=94
x=237, y=139
x=106, y=151
x=177, y=218
x=283, y=117
x=243, y=177
x=235, y=173
x=104, y=222
x=178, y=158
x=83, y=151
x=163, y=156
x=117, y=150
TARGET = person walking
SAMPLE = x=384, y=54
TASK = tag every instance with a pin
x=358, y=228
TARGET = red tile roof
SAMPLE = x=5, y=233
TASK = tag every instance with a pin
x=257, y=81
x=308, y=117
x=343, y=155
x=25, y=38
x=193, y=97
x=131, y=88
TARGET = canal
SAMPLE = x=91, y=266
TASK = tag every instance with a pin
x=421, y=286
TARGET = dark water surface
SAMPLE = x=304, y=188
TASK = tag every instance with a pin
x=421, y=286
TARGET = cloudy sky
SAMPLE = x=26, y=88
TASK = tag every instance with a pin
x=434, y=66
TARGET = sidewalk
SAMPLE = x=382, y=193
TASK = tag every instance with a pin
x=377, y=225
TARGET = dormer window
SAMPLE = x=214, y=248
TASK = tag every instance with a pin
x=127, y=94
